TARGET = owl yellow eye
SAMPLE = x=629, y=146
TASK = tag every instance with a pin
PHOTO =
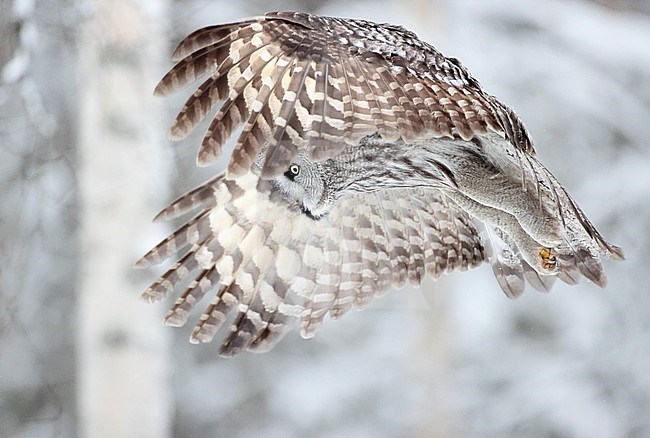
x=293, y=172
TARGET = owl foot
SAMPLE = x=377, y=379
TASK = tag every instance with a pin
x=549, y=261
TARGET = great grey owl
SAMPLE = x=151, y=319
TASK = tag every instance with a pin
x=366, y=159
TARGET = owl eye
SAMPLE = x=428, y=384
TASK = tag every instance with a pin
x=293, y=171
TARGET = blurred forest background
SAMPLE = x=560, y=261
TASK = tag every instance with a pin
x=85, y=165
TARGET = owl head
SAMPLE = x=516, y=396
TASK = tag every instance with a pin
x=303, y=185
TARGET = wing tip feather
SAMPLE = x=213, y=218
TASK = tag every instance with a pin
x=207, y=157
x=177, y=134
x=616, y=252
x=142, y=263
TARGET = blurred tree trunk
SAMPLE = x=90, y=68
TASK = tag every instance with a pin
x=38, y=245
x=432, y=350
x=123, y=384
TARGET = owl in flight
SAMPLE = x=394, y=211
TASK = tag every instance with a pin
x=366, y=159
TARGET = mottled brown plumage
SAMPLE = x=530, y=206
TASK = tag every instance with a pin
x=365, y=76
x=367, y=159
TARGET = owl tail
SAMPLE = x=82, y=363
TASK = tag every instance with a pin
x=510, y=268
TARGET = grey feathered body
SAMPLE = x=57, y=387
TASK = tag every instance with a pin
x=490, y=188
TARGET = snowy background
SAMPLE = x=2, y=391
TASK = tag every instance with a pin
x=84, y=165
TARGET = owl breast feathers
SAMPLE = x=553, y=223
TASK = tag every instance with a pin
x=366, y=160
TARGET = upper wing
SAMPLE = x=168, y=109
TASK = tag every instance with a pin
x=275, y=266
x=296, y=81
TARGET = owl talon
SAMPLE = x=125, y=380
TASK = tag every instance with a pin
x=549, y=261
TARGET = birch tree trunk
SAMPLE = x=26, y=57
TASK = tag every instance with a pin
x=432, y=353
x=123, y=383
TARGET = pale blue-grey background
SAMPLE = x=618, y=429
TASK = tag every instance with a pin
x=455, y=358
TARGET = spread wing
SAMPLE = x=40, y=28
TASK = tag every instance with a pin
x=297, y=81
x=271, y=266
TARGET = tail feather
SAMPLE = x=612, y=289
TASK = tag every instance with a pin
x=505, y=262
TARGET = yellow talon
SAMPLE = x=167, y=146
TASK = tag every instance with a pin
x=549, y=261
